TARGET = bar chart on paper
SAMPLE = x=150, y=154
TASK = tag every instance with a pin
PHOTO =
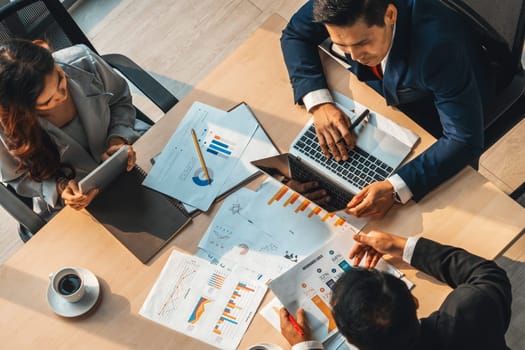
x=218, y=145
x=285, y=197
x=211, y=303
x=240, y=298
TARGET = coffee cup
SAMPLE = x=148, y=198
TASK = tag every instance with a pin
x=68, y=282
x=265, y=346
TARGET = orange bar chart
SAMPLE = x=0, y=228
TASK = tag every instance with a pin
x=339, y=222
x=315, y=211
x=327, y=215
x=321, y=305
x=302, y=206
x=292, y=199
x=278, y=195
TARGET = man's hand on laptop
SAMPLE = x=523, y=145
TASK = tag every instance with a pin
x=373, y=201
x=310, y=190
x=115, y=143
x=331, y=126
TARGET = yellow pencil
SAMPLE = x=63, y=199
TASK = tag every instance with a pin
x=201, y=158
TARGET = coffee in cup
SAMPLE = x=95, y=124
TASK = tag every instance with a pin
x=68, y=283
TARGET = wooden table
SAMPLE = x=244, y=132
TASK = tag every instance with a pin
x=467, y=211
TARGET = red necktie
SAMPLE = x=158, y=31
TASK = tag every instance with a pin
x=378, y=71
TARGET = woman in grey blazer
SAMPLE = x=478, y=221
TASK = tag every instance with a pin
x=61, y=114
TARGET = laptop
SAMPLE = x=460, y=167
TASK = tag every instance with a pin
x=376, y=156
x=106, y=172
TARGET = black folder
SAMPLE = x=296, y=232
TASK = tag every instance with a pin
x=142, y=219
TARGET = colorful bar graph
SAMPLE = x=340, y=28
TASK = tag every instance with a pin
x=243, y=286
x=325, y=309
x=315, y=211
x=292, y=199
x=216, y=281
x=327, y=215
x=339, y=222
x=220, y=148
x=277, y=197
x=302, y=206
x=232, y=309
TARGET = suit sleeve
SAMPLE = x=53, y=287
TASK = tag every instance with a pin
x=122, y=112
x=299, y=43
x=482, y=292
x=446, y=71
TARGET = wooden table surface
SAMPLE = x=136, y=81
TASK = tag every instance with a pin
x=466, y=211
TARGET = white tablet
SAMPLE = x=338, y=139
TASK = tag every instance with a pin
x=106, y=172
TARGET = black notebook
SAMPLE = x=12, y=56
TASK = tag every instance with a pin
x=142, y=219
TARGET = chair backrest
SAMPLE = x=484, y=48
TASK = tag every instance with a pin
x=501, y=24
x=37, y=19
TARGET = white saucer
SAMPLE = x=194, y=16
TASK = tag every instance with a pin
x=64, y=308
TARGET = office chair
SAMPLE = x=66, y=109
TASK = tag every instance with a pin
x=501, y=26
x=50, y=21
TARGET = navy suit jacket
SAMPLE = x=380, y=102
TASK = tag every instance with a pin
x=434, y=56
x=476, y=314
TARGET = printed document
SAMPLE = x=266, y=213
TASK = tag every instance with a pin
x=242, y=233
x=178, y=172
x=208, y=302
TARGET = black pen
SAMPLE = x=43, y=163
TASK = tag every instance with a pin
x=358, y=121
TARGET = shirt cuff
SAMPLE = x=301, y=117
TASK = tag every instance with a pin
x=401, y=188
x=308, y=345
x=317, y=97
x=409, y=249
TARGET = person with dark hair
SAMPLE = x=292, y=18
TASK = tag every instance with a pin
x=374, y=310
x=61, y=114
x=422, y=57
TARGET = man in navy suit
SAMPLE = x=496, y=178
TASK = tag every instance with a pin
x=375, y=310
x=434, y=71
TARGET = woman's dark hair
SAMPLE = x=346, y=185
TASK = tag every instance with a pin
x=348, y=12
x=375, y=310
x=23, y=70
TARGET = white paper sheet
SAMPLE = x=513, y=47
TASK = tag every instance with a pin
x=300, y=224
x=259, y=146
x=232, y=239
x=177, y=171
x=208, y=302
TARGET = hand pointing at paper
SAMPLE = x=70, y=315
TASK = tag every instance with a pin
x=374, y=200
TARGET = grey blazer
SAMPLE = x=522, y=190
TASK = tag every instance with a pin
x=103, y=102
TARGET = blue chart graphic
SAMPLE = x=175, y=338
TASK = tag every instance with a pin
x=199, y=179
x=222, y=148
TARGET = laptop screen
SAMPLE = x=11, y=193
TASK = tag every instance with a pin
x=289, y=170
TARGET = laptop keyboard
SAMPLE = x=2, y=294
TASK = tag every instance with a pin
x=361, y=168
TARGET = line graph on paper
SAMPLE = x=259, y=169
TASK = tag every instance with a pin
x=187, y=272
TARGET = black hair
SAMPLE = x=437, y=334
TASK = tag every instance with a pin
x=348, y=12
x=375, y=310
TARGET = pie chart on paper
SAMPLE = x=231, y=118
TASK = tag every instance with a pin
x=200, y=179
